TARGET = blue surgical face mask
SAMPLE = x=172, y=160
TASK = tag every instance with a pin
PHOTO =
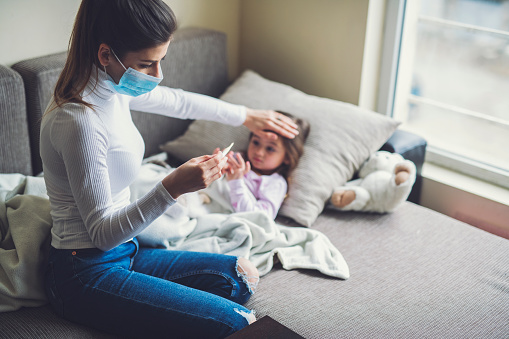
x=133, y=82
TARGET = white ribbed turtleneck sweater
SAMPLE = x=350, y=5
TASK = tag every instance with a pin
x=90, y=157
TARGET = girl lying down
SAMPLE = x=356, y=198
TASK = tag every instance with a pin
x=255, y=180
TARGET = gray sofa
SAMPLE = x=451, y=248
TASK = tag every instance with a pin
x=414, y=273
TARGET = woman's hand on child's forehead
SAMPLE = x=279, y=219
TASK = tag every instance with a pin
x=286, y=125
x=270, y=123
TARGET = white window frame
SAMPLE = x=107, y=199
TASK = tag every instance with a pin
x=395, y=82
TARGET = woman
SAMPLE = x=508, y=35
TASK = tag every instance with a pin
x=97, y=274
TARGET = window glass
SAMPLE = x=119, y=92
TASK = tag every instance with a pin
x=459, y=95
x=490, y=14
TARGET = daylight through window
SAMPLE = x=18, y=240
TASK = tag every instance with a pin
x=453, y=83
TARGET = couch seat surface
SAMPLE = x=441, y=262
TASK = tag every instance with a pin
x=415, y=273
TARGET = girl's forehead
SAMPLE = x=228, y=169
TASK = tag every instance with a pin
x=267, y=141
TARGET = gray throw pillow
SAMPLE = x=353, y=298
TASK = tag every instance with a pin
x=342, y=136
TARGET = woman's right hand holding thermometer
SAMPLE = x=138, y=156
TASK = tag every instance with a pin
x=196, y=173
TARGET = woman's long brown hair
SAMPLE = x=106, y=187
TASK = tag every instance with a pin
x=77, y=68
x=124, y=25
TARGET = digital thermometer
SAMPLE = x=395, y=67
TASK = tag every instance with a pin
x=227, y=149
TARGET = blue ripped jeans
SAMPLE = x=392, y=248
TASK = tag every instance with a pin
x=149, y=293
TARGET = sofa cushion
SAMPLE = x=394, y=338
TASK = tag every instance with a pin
x=342, y=136
x=15, y=150
x=39, y=77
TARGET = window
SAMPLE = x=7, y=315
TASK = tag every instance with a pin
x=452, y=83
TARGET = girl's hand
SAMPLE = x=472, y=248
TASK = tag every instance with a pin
x=237, y=167
x=195, y=174
x=261, y=122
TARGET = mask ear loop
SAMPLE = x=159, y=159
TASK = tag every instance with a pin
x=112, y=52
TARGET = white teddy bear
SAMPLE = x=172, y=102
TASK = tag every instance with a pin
x=385, y=181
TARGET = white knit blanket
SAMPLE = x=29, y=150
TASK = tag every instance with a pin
x=25, y=232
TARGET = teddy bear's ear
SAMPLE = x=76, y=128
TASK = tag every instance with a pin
x=379, y=161
x=368, y=166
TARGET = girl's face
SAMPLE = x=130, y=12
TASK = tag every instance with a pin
x=265, y=155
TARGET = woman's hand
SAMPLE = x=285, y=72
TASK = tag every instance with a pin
x=237, y=167
x=195, y=174
x=261, y=122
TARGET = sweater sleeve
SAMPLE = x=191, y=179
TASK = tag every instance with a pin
x=178, y=103
x=271, y=194
x=82, y=143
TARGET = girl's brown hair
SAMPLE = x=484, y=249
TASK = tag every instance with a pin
x=124, y=25
x=294, y=147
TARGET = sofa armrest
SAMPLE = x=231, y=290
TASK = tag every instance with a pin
x=413, y=148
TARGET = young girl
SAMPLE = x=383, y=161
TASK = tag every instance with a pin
x=260, y=182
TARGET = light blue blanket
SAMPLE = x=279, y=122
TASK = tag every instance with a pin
x=213, y=227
